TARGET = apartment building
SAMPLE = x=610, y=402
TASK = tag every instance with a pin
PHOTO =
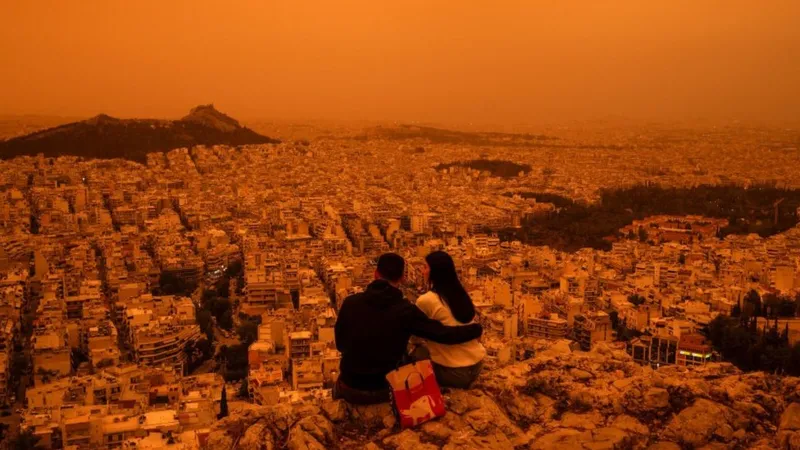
x=553, y=327
x=591, y=328
x=162, y=344
x=694, y=350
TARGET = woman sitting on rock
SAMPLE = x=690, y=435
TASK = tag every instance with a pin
x=447, y=302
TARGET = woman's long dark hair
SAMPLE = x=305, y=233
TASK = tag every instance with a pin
x=444, y=281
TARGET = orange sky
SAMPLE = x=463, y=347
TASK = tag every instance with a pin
x=445, y=61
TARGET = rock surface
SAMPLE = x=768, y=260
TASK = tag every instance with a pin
x=558, y=400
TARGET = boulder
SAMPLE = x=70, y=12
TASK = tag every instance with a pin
x=580, y=375
x=220, y=439
x=606, y=439
x=335, y=410
x=656, y=398
x=371, y=416
x=482, y=414
x=257, y=437
x=582, y=401
x=437, y=430
x=300, y=440
x=588, y=421
x=790, y=419
x=558, y=348
x=630, y=425
x=407, y=440
x=664, y=446
x=563, y=439
x=524, y=409
x=470, y=442
x=317, y=426
x=697, y=424
x=789, y=428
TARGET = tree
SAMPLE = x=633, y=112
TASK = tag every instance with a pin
x=797, y=305
x=794, y=360
x=636, y=299
x=737, y=310
x=171, y=284
x=614, y=316
x=244, y=391
x=223, y=404
x=26, y=440
x=234, y=270
x=771, y=305
x=786, y=307
x=754, y=299
x=189, y=350
x=234, y=362
x=643, y=234
x=203, y=317
x=105, y=362
x=205, y=347
x=46, y=375
x=248, y=332
x=225, y=321
x=19, y=365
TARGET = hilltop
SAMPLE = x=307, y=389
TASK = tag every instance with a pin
x=600, y=400
x=107, y=137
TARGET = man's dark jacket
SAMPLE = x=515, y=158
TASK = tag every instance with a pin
x=372, y=332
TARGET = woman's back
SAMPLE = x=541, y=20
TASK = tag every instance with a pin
x=459, y=355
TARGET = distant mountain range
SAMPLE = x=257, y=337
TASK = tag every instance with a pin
x=107, y=137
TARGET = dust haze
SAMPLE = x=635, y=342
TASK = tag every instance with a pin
x=483, y=62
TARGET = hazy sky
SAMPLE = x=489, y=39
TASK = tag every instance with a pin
x=446, y=61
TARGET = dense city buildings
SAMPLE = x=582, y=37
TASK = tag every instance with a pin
x=138, y=299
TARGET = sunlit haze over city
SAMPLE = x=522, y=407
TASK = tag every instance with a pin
x=400, y=226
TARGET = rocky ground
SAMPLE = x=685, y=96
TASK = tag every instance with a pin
x=558, y=400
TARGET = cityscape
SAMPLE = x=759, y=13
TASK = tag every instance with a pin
x=141, y=298
x=188, y=280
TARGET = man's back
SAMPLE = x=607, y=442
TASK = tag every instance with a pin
x=373, y=329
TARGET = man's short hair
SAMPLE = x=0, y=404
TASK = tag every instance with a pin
x=391, y=266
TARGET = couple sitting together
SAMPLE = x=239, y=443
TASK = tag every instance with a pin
x=374, y=327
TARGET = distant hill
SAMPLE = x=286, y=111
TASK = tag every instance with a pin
x=106, y=137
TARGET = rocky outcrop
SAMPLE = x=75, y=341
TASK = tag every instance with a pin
x=558, y=400
x=789, y=429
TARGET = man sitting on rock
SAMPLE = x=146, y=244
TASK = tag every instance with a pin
x=373, y=329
